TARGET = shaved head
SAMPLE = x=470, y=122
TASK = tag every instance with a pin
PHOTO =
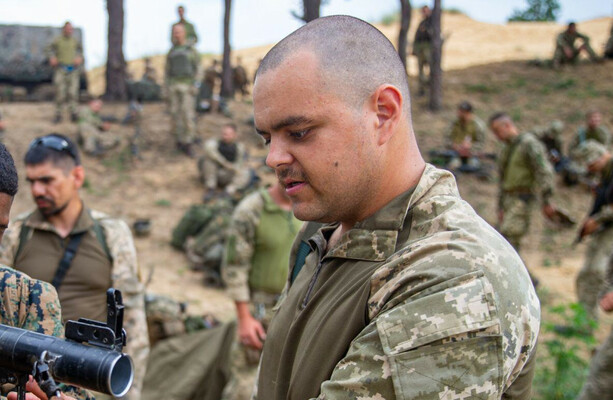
x=354, y=57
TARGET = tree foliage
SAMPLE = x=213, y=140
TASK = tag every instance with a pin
x=538, y=10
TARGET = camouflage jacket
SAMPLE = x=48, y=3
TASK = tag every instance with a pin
x=211, y=150
x=474, y=130
x=90, y=118
x=566, y=39
x=65, y=49
x=600, y=134
x=125, y=276
x=525, y=168
x=446, y=309
x=247, y=247
x=31, y=304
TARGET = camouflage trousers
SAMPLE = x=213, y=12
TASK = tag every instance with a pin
x=516, y=221
x=423, y=52
x=66, y=89
x=95, y=141
x=591, y=278
x=599, y=383
x=559, y=57
x=182, y=112
x=214, y=175
x=244, y=360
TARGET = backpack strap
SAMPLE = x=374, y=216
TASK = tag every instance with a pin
x=99, y=232
x=66, y=261
x=23, y=237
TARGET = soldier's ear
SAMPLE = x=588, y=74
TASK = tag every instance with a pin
x=78, y=176
x=388, y=102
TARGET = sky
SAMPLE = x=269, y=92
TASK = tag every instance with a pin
x=253, y=22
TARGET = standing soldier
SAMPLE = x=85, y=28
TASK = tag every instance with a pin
x=239, y=78
x=80, y=251
x=207, y=89
x=524, y=173
x=599, y=225
x=566, y=52
x=422, y=47
x=255, y=270
x=66, y=56
x=190, y=32
x=608, y=48
x=182, y=70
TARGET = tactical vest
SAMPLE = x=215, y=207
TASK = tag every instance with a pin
x=180, y=60
x=228, y=151
x=274, y=237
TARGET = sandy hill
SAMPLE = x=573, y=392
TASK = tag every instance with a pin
x=468, y=42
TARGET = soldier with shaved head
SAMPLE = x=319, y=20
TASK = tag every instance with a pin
x=405, y=292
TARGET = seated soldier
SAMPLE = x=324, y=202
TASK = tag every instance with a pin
x=93, y=131
x=593, y=130
x=566, y=52
x=465, y=138
x=223, y=165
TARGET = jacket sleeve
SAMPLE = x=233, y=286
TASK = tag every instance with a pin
x=125, y=276
x=544, y=176
x=240, y=245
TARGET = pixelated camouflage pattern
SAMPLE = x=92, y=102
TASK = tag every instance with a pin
x=525, y=169
x=125, y=276
x=452, y=312
x=516, y=221
x=32, y=304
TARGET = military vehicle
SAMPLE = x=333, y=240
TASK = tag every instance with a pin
x=24, y=62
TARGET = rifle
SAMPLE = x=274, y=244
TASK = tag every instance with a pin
x=98, y=365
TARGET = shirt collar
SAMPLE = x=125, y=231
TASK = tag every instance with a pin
x=38, y=221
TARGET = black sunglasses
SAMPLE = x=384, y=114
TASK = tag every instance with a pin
x=55, y=143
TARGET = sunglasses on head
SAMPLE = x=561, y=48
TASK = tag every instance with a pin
x=55, y=143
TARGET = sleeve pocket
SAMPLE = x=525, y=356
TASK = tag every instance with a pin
x=469, y=369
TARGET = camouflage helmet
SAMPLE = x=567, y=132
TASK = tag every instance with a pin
x=588, y=152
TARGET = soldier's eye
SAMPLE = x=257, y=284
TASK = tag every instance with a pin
x=299, y=134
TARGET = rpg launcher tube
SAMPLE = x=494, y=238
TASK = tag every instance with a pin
x=91, y=367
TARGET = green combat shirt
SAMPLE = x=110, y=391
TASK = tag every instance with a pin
x=525, y=169
x=566, y=39
x=421, y=300
x=257, y=247
x=90, y=118
x=190, y=31
x=33, y=305
x=65, y=49
x=473, y=129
